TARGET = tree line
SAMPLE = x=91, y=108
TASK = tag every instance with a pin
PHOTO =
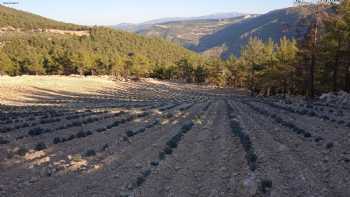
x=319, y=62
x=104, y=52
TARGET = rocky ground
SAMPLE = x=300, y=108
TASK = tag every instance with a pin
x=74, y=136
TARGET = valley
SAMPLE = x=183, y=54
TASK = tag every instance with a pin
x=228, y=34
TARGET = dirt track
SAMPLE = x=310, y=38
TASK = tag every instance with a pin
x=154, y=138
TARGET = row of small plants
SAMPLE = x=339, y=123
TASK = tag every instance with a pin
x=237, y=130
x=312, y=111
x=40, y=131
x=250, y=156
x=116, y=123
x=280, y=121
x=54, y=116
x=292, y=127
x=52, y=119
x=169, y=149
x=82, y=134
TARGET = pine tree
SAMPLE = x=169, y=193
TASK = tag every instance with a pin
x=253, y=56
x=6, y=65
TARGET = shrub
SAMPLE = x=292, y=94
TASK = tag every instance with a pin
x=318, y=139
x=105, y=147
x=3, y=141
x=266, y=185
x=312, y=113
x=341, y=122
x=307, y=135
x=90, y=153
x=81, y=134
x=140, y=180
x=168, y=150
x=147, y=173
x=40, y=146
x=6, y=130
x=115, y=124
x=141, y=130
x=330, y=145
x=57, y=140
x=161, y=156
x=22, y=151
x=101, y=130
x=173, y=142
x=71, y=137
x=130, y=133
x=325, y=117
x=77, y=124
x=187, y=127
x=251, y=158
x=36, y=131
x=155, y=163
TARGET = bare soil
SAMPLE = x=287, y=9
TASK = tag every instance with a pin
x=94, y=136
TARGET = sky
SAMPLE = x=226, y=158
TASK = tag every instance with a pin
x=111, y=12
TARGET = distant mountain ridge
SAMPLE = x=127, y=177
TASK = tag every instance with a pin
x=134, y=27
x=225, y=36
x=272, y=25
x=189, y=32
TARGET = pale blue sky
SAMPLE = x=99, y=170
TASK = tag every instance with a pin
x=110, y=12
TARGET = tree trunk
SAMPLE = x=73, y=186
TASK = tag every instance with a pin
x=336, y=66
x=335, y=74
x=305, y=77
x=268, y=91
x=252, y=82
x=312, y=76
x=347, y=79
x=313, y=58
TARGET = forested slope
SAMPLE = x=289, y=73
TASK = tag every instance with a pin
x=29, y=47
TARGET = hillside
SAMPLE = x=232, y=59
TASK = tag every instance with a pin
x=188, y=32
x=222, y=37
x=30, y=44
x=274, y=25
